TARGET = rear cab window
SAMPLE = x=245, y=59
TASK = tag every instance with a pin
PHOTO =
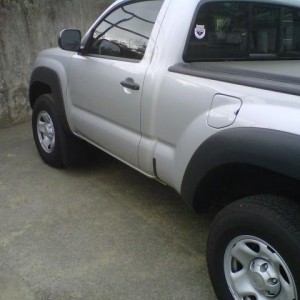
x=243, y=30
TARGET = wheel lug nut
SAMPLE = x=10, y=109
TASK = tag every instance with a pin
x=264, y=267
x=272, y=281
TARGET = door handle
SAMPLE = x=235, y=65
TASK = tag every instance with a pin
x=130, y=84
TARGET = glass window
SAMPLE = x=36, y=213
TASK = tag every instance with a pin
x=290, y=30
x=236, y=30
x=265, y=30
x=126, y=31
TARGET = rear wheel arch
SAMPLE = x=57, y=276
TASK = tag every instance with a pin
x=270, y=153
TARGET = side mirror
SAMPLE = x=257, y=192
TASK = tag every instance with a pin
x=70, y=39
x=110, y=48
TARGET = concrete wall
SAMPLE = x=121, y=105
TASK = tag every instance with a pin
x=27, y=27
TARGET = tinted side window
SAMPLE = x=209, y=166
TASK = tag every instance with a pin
x=126, y=31
x=235, y=30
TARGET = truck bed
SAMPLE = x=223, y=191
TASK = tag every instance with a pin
x=280, y=76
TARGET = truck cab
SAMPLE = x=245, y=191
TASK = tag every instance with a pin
x=203, y=96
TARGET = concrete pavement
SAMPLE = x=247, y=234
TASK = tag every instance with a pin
x=102, y=231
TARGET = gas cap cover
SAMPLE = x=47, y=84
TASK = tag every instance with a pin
x=224, y=110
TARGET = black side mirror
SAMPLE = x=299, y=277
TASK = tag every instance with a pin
x=70, y=39
x=110, y=48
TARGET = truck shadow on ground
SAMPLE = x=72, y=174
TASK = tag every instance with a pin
x=101, y=231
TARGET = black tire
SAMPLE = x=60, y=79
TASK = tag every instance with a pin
x=57, y=147
x=253, y=248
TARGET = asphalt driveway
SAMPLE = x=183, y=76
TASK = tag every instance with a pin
x=102, y=231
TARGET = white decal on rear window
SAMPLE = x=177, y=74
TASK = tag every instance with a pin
x=200, y=32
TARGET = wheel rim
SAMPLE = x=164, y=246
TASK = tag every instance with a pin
x=45, y=131
x=254, y=270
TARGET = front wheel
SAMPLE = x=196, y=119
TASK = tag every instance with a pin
x=57, y=147
x=47, y=131
x=253, y=248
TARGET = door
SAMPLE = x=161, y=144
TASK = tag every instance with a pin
x=105, y=84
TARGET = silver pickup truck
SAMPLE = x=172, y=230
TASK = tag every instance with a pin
x=204, y=96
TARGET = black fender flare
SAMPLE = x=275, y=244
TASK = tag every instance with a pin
x=41, y=78
x=272, y=150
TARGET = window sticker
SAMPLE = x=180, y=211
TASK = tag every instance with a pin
x=200, y=32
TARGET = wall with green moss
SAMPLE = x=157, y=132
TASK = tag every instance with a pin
x=27, y=27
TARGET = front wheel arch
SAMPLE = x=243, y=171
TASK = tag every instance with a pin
x=46, y=81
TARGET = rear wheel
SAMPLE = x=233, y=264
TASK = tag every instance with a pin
x=253, y=249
